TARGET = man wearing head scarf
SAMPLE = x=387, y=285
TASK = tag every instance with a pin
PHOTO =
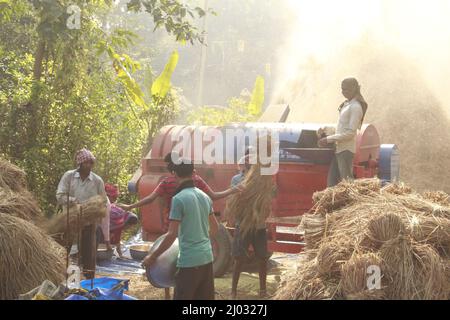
x=351, y=117
x=78, y=186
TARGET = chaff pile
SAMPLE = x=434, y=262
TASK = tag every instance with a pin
x=359, y=228
x=80, y=215
x=27, y=257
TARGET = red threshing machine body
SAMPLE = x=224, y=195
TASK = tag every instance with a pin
x=303, y=170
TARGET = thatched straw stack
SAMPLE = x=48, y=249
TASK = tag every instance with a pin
x=11, y=176
x=89, y=212
x=27, y=257
x=357, y=225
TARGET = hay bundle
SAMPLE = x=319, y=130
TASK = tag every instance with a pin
x=27, y=257
x=314, y=227
x=383, y=228
x=306, y=284
x=431, y=230
x=398, y=265
x=355, y=279
x=344, y=194
x=21, y=205
x=253, y=205
x=430, y=278
x=397, y=188
x=333, y=254
x=11, y=176
x=438, y=197
x=89, y=212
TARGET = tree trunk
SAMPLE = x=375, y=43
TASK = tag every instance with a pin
x=38, y=58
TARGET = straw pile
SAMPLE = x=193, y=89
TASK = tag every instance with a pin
x=27, y=257
x=80, y=215
x=11, y=176
x=21, y=205
x=253, y=205
x=355, y=229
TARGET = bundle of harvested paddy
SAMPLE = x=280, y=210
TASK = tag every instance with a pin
x=383, y=228
x=430, y=278
x=438, y=197
x=398, y=266
x=432, y=230
x=27, y=257
x=344, y=194
x=11, y=176
x=314, y=227
x=20, y=204
x=89, y=212
x=355, y=276
x=253, y=205
x=305, y=284
x=397, y=188
x=333, y=254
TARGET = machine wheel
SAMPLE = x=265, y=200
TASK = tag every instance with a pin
x=221, y=245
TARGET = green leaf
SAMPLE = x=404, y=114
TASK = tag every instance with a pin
x=161, y=85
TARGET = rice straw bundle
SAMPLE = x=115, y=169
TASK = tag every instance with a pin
x=438, y=197
x=397, y=188
x=27, y=257
x=253, y=205
x=344, y=194
x=431, y=230
x=355, y=273
x=333, y=254
x=21, y=205
x=305, y=285
x=314, y=227
x=92, y=211
x=376, y=294
x=429, y=274
x=398, y=265
x=11, y=176
x=383, y=228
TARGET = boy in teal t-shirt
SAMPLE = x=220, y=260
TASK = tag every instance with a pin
x=193, y=222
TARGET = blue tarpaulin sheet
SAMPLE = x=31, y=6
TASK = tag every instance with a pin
x=103, y=290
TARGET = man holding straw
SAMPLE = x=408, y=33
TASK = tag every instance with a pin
x=78, y=186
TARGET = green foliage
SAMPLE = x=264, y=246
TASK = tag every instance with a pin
x=242, y=109
x=63, y=89
x=175, y=16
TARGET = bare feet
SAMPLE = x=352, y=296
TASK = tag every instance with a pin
x=262, y=294
x=233, y=295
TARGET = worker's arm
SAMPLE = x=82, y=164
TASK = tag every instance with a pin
x=169, y=239
x=63, y=189
x=213, y=226
x=148, y=199
x=351, y=129
x=222, y=194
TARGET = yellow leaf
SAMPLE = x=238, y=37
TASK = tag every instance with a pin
x=257, y=101
x=161, y=85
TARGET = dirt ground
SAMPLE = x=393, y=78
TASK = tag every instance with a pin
x=248, y=287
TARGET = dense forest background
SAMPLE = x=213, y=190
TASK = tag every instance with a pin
x=107, y=84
